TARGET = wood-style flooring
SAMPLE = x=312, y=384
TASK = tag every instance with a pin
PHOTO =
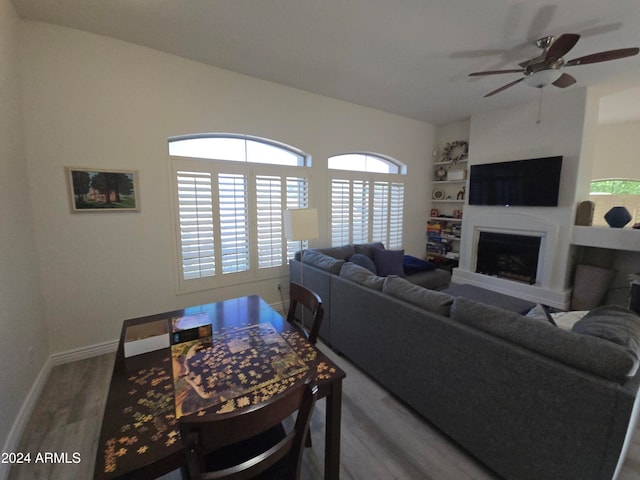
x=381, y=437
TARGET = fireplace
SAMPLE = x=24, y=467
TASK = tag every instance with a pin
x=509, y=256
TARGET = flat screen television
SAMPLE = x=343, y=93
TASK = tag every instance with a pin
x=534, y=182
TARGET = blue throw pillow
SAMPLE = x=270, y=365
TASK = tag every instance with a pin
x=364, y=261
x=413, y=265
x=388, y=262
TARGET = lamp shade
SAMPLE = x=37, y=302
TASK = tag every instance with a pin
x=301, y=224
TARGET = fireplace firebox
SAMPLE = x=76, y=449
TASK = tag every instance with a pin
x=509, y=256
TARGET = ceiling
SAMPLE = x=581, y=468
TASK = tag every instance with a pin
x=408, y=57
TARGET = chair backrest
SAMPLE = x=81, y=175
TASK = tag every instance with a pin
x=204, y=435
x=309, y=300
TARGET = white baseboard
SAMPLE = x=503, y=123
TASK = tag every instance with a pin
x=17, y=429
x=15, y=434
x=83, y=353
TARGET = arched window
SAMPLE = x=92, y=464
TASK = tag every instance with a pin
x=367, y=199
x=611, y=192
x=230, y=193
x=237, y=148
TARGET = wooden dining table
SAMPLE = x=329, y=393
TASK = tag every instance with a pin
x=252, y=354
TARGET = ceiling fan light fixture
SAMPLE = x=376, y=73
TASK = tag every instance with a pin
x=542, y=78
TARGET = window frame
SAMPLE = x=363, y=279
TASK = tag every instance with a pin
x=371, y=179
x=252, y=171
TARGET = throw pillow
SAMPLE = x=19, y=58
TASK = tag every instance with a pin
x=322, y=261
x=566, y=320
x=361, y=275
x=366, y=248
x=431, y=300
x=413, y=265
x=388, y=262
x=615, y=324
x=364, y=261
x=541, y=312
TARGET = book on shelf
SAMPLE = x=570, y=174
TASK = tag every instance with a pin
x=146, y=337
x=190, y=327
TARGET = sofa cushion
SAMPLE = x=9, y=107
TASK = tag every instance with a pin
x=388, y=262
x=431, y=300
x=322, y=261
x=434, y=280
x=366, y=248
x=364, y=261
x=361, y=275
x=412, y=265
x=585, y=352
x=341, y=253
x=615, y=324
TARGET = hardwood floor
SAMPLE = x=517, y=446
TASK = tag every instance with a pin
x=381, y=438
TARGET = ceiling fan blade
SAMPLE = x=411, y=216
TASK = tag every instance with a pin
x=603, y=56
x=564, y=81
x=495, y=72
x=504, y=87
x=561, y=46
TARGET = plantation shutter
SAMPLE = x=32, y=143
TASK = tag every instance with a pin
x=360, y=211
x=269, y=220
x=340, y=209
x=195, y=214
x=234, y=222
x=396, y=215
x=380, y=212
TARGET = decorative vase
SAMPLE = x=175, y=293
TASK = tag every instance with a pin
x=617, y=217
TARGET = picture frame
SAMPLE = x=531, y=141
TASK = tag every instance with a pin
x=102, y=190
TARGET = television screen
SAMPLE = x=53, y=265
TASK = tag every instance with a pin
x=534, y=182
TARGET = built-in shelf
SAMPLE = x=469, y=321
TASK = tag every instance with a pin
x=451, y=164
x=439, y=182
x=445, y=219
x=605, y=237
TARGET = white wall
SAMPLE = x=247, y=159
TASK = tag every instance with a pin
x=24, y=338
x=513, y=134
x=91, y=101
x=616, y=151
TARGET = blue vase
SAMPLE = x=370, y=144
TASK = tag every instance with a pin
x=617, y=217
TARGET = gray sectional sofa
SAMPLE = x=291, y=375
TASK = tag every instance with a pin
x=529, y=400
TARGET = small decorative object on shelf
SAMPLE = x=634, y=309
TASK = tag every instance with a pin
x=457, y=214
x=435, y=212
x=461, y=194
x=441, y=174
x=456, y=174
x=455, y=152
x=617, y=217
x=438, y=194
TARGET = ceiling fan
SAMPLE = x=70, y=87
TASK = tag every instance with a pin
x=547, y=68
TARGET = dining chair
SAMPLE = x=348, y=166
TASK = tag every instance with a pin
x=250, y=443
x=309, y=302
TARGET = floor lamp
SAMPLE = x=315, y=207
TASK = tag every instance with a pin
x=301, y=224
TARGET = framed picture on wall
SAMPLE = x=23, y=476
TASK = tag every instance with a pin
x=96, y=190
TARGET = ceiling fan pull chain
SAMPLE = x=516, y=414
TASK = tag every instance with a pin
x=539, y=120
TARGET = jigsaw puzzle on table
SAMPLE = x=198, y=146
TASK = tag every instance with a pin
x=234, y=369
